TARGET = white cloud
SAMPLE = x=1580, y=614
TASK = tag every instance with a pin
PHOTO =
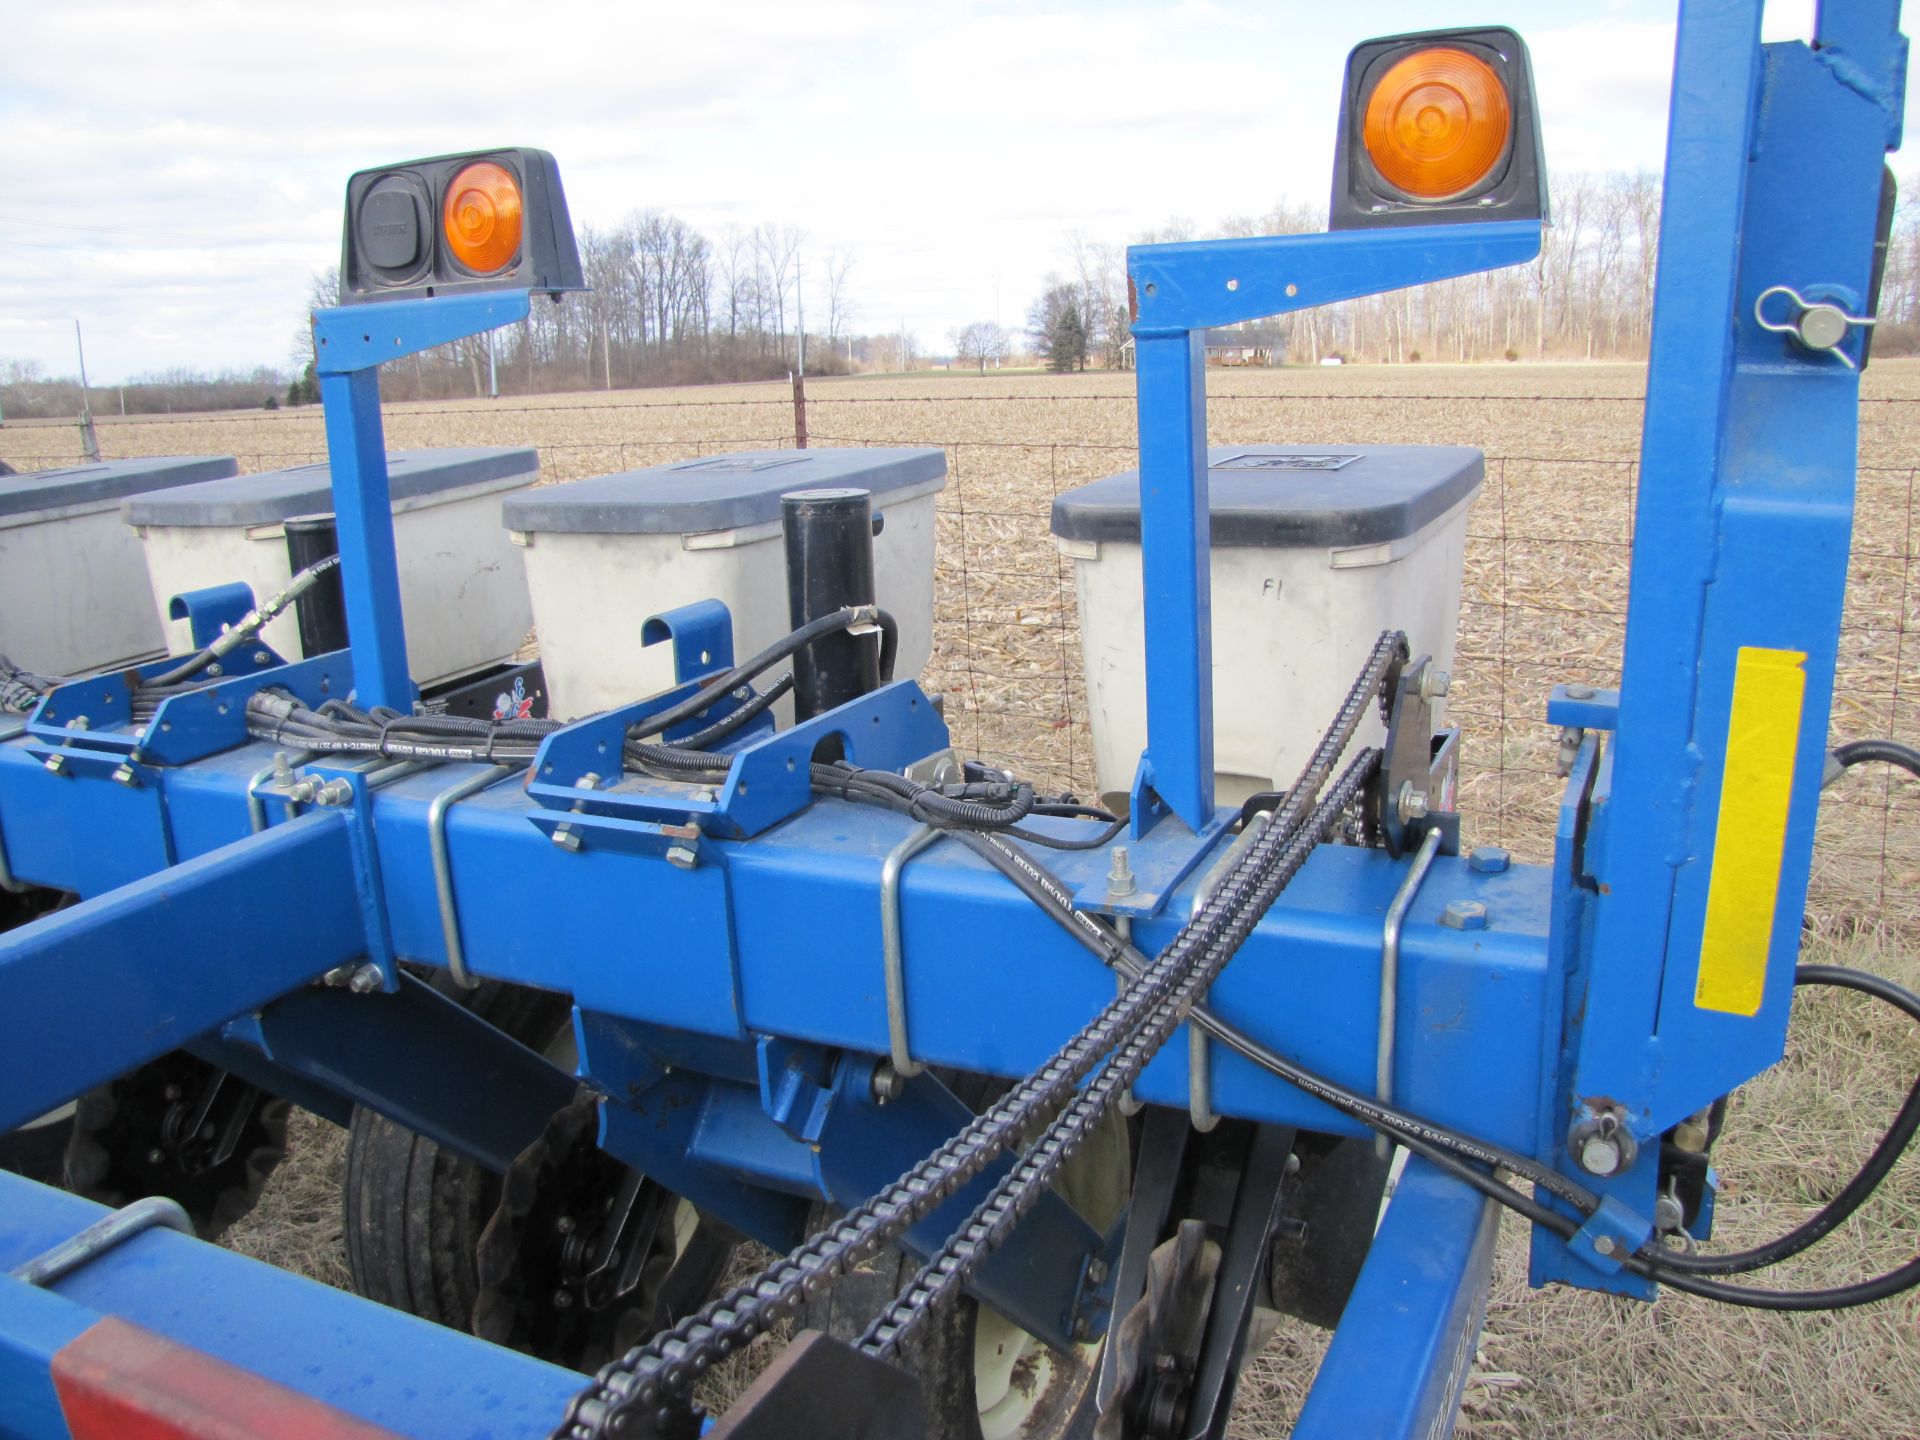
x=174, y=172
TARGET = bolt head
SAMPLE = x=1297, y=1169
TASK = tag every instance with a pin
x=566, y=837
x=126, y=775
x=1604, y=1245
x=56, y=764
x=682, y=857
x=338, y=791
x=1464, y=915
x=1579, y=692
x=1434, y=684
x=1489, y=860
x=704, y=796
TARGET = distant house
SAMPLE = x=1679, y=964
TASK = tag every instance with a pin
x=1245, y=347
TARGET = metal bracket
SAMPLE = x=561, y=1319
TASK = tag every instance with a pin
x=767, y=782
x=702, y=636
x=212, y=611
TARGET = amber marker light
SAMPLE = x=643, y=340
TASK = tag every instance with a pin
x=1437, y=123
x=481, y=217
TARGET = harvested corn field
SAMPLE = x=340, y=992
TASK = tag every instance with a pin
x=1545, y=595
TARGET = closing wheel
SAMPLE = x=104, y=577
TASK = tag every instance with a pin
x=982, y=1376
x=182, y=1128
x=519, y=1260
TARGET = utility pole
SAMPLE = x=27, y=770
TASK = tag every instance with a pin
x=88, y=439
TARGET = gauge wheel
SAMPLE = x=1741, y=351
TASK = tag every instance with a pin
x=982, y=1376
x=440, y=1236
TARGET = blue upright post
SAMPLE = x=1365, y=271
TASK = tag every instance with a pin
x=363, y=520
x=352, y=342
x=1740, y=557
x=1176, y=575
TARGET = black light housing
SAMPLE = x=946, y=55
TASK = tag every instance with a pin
x=1514, y=187
x=396, y=242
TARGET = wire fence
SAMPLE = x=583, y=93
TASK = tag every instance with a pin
x=1548, y=544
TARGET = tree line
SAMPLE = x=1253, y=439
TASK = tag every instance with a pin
x=671, y=305
x=666, y=305
x=28, y=392
x=1589, y=295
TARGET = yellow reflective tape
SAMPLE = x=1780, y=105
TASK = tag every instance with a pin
x=1762, y=735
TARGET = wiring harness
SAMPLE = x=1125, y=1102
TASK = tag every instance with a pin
x=983, y=800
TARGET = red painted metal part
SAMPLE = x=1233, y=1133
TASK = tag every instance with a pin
x=119, y=1382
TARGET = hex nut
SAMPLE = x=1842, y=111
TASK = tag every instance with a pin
x=682, y=857
x=1489, y=860
x=1464, y=915
x=566, y=837
x=1579, y=692
x=367, y=979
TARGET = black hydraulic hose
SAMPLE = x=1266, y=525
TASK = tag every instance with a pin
x=1878, y=1165
x=726, y=726
x=781, y=649
x=1889, y=752
x=254, y=621
x=1093, y=932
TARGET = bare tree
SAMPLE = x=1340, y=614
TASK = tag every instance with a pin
x=981, y=342
x=840, y=307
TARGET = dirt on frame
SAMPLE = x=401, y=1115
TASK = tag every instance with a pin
x=1544, y=601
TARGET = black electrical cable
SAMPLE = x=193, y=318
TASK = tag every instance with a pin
x=1099, y=937
x=1456, y=1153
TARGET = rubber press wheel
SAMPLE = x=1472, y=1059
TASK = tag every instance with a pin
x=435, y=1234
x=981, y=1375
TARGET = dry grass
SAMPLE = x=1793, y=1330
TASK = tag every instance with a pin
x=1545, y=596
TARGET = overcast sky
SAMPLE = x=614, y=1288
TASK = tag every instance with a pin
x=173, y=171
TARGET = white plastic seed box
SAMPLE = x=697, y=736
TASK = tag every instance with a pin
x=74, y=596
x=603, y=554
x=1315, y=552
x=463, y=591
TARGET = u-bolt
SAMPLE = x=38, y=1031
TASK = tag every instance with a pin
x=1390, y=969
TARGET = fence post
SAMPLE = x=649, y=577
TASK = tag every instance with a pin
x=799, y=410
